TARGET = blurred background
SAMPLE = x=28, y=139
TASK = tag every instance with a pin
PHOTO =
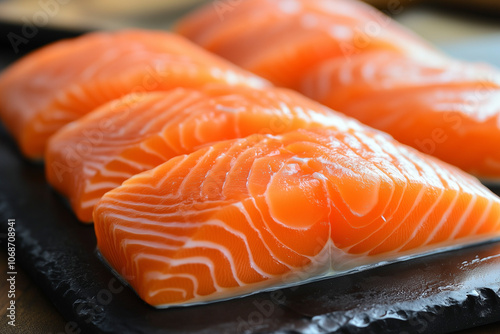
x=464, y=28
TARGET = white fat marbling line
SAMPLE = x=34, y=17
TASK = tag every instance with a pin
x=418, y=199
x=201, y=260
x=229, y=109
x=90, y=187
x=98, y=65
x=108, y=173
x=202, y=163
x=163, y=181
x=125, y=243
x=152, y=293
x=160, y=276
x=483, y=218
x=149, y=222
x=145, y=147
x=159, y=112
x=463, y=219
x=141, y=231
x=244, y=239
x=425, y=217
x=444, y=218
x=88, y=203
x=261, y=215
x=245, y=213
x=160, y=211
x=193, y=244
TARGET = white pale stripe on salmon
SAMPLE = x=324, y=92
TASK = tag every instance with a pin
x=195, y=244
x=160, y=206
x=453, y=185
x=396, y=226
x=180, y=125
x=390, y=172
x=113, y=173
x=443, y=220
x=89, y=170
x=425, y=218
x=90, y=187
x=149, y=222
x=266, y=224
x=483, y=223
x=195, y=171
x=91, y=202
x=173, y=108
x=179, y=165
x=201, y=244
x=276, y=246
x=62, y=90
x=148, y=244
x=153, y=293
x=159, y=276
x=101, y=64
x=181, y=160
x=465, y=216
x=365, y=141
x=176, y=262
x=245, y=213
x=108, y=173
x=211, y=206
x=138, y=231
x=145, y=197
x=485, y=215
x=244, y=239
x=203, y=260
x=220, y=161
x=153, y=151
x=269, y=230
x=165, y=209
x=132, y=163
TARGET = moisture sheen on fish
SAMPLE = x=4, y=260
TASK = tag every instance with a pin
x=354, y=59
x=63, y=81
x=99, y=151
x=260, y=212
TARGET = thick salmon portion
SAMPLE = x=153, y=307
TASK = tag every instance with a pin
x=99, y=151
x=451, y=110
x=354, y=59
x=64, y=81
x=289, y=37
x=264, y=211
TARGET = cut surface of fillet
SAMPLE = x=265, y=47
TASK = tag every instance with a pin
x=63, y=81
x=354, y=59
x=96, y=153
x=261, y=212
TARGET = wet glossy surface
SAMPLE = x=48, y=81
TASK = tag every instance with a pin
x=439, y=293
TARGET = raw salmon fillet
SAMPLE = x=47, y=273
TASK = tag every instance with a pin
x=266, y=211
x=65, y=80
x=356, y=60
x=99, y=151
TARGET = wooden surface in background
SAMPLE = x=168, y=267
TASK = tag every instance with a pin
x=474, y=4
x=85, y=15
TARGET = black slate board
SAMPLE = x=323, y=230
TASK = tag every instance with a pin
x=434, y=294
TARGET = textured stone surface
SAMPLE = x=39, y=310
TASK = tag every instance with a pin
x=434, y=294
x=438, y=293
